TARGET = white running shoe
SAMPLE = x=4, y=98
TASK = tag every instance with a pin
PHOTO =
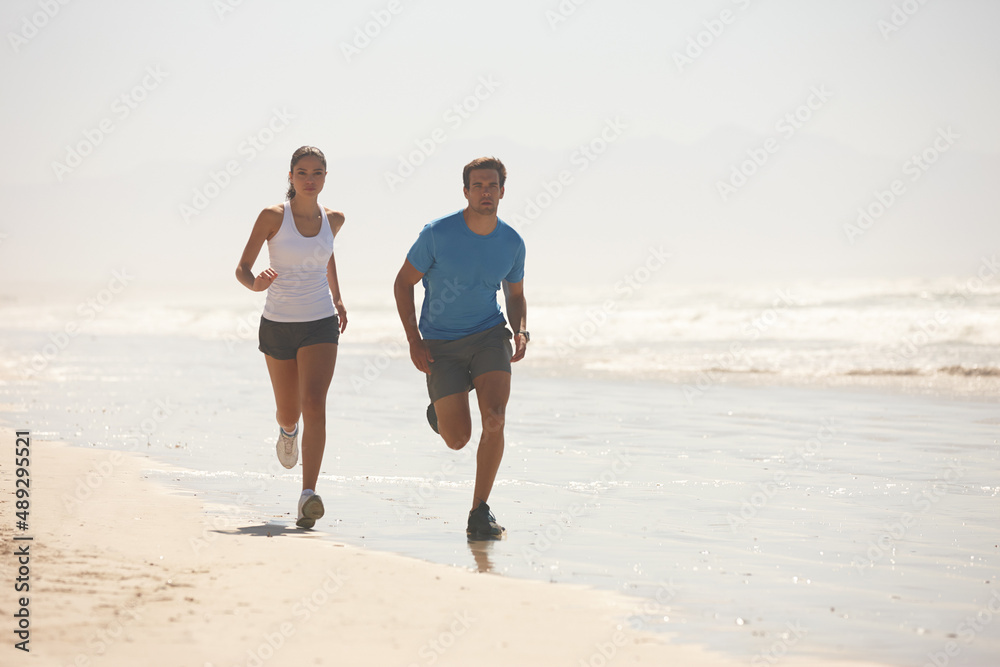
x=288, y=447
x=310, y=509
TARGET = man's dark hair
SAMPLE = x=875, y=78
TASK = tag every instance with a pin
x=484, y=163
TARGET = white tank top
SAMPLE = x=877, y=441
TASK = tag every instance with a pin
x=301, y=292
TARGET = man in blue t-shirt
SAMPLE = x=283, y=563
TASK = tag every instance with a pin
x=461, y=340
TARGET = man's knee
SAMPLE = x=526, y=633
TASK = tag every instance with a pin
x=456, y=438
x=494, y=419
x=456, y=444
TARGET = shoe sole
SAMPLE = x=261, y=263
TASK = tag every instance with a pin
x=312, y=509
x=281, y=460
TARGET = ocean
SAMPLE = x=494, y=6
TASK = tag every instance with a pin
x=769, y=471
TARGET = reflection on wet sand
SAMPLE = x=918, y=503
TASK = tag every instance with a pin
x=481, y=552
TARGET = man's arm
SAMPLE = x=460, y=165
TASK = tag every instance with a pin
x=517, y=314
x=402, y=289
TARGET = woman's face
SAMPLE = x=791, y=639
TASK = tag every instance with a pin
x=308, y=175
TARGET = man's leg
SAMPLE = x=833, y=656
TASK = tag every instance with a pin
x=454, y=419
x=493, y=391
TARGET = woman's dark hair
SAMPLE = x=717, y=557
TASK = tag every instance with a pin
x=298, y=155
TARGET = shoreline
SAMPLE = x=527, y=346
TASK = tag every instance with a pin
x=116, y=578
x=938, y=385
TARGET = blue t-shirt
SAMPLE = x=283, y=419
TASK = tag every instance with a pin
x=462, y=274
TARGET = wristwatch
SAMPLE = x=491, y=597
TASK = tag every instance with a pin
x=527, y=336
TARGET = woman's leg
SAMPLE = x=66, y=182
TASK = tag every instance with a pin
x=285, y=383
x=315, y=372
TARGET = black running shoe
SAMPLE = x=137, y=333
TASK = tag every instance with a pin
x=432, y=418
x=483, y=525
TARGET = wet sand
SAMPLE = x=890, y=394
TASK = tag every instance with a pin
x=135, y=574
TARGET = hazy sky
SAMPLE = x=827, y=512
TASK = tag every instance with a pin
x=740, y=136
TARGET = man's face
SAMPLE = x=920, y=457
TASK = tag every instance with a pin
x=484, y=192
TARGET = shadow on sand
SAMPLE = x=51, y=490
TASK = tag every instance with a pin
x=267, y=530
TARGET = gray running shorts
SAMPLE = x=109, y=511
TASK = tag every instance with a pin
x=457, y=362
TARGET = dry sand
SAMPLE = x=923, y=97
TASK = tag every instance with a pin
x=134, y=574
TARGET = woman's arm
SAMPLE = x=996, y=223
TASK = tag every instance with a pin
x=267, y=225
x=336, y=219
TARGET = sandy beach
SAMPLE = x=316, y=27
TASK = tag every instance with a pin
x=136, y=574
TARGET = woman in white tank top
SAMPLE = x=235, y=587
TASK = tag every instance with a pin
x=303, y=316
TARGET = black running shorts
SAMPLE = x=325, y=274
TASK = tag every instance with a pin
x=282, y=340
